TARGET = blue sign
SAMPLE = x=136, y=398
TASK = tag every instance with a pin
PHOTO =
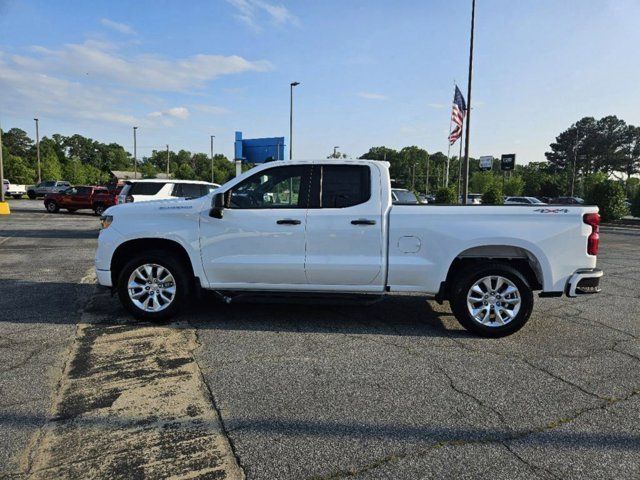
x=258, y=150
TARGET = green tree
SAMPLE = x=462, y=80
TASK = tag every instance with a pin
x=73, y=171
x=446, y=196
x=610, y=198
x=17, y=142
x=481, y=181
x=635, y=204
x=493, y=195
x=51, y=169
x=17, y=170
x=148, y=170
x=185, y=172
x=513, y=186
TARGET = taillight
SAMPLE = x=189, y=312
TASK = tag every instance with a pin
x=128, y=199
x=593, y=220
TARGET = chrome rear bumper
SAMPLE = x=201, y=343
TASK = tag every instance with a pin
x=584, y=281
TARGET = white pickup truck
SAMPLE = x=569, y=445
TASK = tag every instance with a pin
x=329, y=227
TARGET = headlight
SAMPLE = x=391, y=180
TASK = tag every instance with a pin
x=106, y=220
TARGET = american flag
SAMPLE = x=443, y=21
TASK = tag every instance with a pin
x=458, y=113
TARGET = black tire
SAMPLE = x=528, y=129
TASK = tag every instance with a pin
x=17, y=197
x=462, y=286
x=183, y=284
x=31, y=195
x=52, y=207
x=99, y=209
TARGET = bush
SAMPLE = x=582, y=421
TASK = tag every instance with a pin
x=609, y=196
x=446, y=196
x=493, y=195
x=635, y=204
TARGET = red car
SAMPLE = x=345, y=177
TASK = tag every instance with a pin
x=106, y=198
x=74, y=198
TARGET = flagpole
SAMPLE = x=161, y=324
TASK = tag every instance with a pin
x=446, y=181
x=465, y=184
x=460, y=163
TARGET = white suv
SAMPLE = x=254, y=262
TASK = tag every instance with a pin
x=156, y=189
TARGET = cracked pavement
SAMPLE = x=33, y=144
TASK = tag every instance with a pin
x=392, y=390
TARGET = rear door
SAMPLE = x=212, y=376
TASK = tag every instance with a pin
x=344, y=228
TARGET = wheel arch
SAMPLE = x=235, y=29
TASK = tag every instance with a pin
x=532, y=266
x=132, y=247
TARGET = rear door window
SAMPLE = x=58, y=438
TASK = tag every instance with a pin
x=344, y=185
x=145, y=188
x=188, y=190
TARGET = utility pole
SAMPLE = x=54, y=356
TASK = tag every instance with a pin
x=575, y=159
x=135, y=154
x=212, y=137
x=1, y=171
x=465, y=181
x=291, y=85
x=38, y=150
x=167, y=160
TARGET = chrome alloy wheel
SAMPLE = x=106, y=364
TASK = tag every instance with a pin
x=151, y=287
x=493, y=301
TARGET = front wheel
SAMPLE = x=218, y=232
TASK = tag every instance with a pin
x=153, y=286
x=492, y=300
x=98, y=209
x=52, y=207
x=31, y=195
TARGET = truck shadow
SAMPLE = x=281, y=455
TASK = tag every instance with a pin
x=50, y=233
x=24, y=302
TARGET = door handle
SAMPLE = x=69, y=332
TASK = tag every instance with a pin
x=288, y=221
x=363, y=221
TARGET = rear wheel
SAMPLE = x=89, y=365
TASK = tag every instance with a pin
x=492, y=300
x=52, y=207
x=153, y=286
x=99, y=209
x=17, y=197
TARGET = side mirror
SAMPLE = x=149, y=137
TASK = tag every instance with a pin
x=217, y=206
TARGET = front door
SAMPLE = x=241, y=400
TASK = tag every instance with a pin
x=260, y=241
x=344, y=228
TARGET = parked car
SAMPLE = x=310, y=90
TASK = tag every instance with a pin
x=104, y=199
x=156, y=189
x=43, y=188
x=14, y=190
x=343, y=235
x=472, y=199
x=566, y=201
x=402, y=196
x=523, y=201
x=72, y=199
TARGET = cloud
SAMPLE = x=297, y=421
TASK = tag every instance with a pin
x=252, y=12
x=372, y=96
x=118, y=27
x=103, y=62
x=212, y=109
x=176, y=112
x=98, y=82
x=436, y=105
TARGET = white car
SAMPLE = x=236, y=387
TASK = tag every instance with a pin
x=156, y=189
x=523, y=201
x=331, y=228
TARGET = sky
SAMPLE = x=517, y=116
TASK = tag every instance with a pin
x=372, y=72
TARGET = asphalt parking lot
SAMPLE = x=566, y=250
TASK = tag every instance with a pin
x=394, y=390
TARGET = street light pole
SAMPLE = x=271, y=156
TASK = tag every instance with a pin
x=291, y=85
x=465, y=172
x=38, y=150
x=212, y=137
x=167, y=160
x=135, y=154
